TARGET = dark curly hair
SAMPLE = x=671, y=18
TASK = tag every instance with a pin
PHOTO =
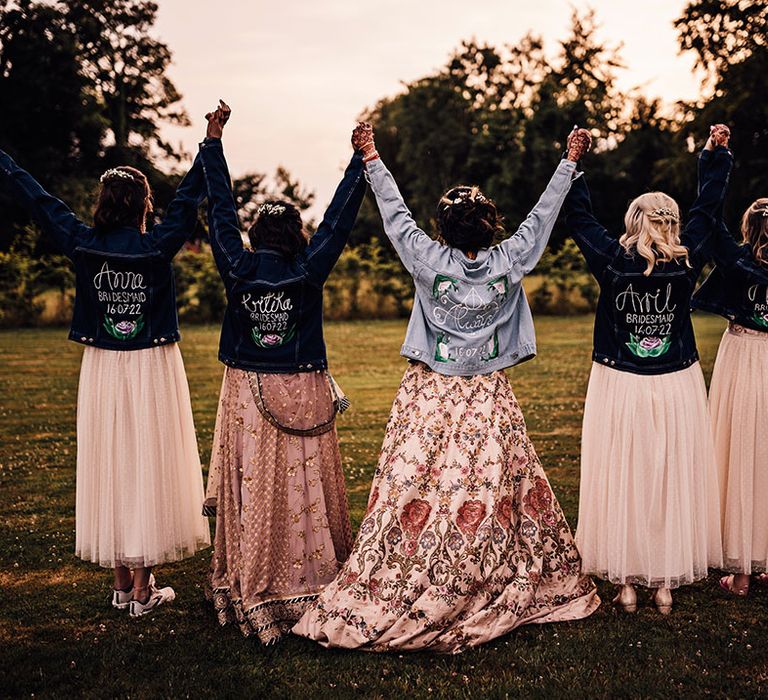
x=467, y=219
x=278, y=226
x=125, y=199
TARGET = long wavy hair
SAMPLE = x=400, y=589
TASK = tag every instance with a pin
x=278, y=227
x=467, y=219
x=125, y=199
x=652, y=229
x=754, y=229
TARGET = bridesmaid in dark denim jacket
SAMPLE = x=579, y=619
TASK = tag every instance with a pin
x=649, y=510
x=276, y=484
x=738, y=400
x=139, y=482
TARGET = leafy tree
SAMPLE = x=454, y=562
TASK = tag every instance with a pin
x=126, y=67
x=730, y=41
x=723, y=32
x=251, y=189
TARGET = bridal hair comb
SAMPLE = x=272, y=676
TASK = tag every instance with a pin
x=271, y=209
x=115, y=172
x=665, y=212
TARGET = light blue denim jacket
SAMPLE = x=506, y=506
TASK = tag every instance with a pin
x=469, y=316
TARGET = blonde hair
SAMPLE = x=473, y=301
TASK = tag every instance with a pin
x=652, y=228
x=754, y=229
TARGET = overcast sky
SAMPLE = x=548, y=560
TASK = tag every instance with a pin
x=298, y=73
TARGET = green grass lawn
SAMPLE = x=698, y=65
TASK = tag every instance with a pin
x=59, y=637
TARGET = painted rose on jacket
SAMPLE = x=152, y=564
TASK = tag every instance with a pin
x=125, y=329
x=649, y=346
x=272, y=340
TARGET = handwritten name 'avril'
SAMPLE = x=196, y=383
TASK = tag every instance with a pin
x=646, y=303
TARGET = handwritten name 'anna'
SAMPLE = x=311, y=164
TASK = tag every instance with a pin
x=115, y=280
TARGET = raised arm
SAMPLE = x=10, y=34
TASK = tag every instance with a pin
x=54, y=217
x=597, y=245
x=332, y=235
x=223, y=223
x=714, y=169
x=179, y=221
x=731, y=256
x=524, y=248
x=409, y=241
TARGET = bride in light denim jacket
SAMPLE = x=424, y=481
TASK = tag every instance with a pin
x=463, y=539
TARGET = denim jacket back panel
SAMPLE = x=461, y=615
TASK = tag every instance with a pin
x=469, y=316
x=273, y=320
x=125, y=297
x=643, y=323
x=734, y=295
x=125, y=293
x=274, y=316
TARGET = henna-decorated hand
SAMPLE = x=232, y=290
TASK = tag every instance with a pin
x=719, y=135
x=579, y=142
x=216, y=120
x=362, y=141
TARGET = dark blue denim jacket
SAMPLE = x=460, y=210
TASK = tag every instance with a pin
x=125, y=296
x=737, y=287
x=274, y=317
x=643, y=324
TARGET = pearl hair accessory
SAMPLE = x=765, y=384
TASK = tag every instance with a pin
x=271, y=209
x=114, y=172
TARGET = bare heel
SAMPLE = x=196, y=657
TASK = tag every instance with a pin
x=626, y=599
x=662, y=597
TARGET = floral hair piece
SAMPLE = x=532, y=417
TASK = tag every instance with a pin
x=271, y=209
x=115, y=172
x=764, y=212
x=469, y=195
x=665, y=212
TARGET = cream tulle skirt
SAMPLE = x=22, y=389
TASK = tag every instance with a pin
x=738, y=400
x=649, y=510
x=139, y=483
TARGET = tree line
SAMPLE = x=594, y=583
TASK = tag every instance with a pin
x=84, y=86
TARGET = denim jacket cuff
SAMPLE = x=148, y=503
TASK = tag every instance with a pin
x=373, y=165
x=210, y=142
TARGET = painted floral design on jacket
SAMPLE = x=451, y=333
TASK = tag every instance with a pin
x=649, y=346
x=272, y=340
x=761, y=318
x=125, y=329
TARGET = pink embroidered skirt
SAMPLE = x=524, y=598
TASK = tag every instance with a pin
x=738, y=402
x=282, y=522
x=463, y=540
x=139, y=481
